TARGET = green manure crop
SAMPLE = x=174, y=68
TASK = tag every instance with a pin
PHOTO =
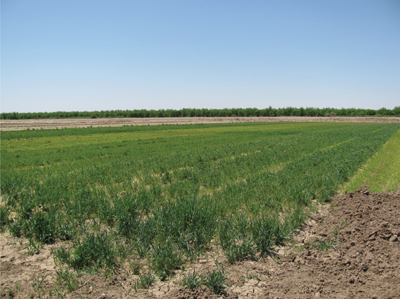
x=167, y=194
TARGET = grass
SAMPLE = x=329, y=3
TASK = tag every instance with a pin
x=145, y=280
x=324, y=245
x=67, y=278
x=193, y=280
x=94, y=251
x=381, y=172
x=214, y=280
x=165, y=259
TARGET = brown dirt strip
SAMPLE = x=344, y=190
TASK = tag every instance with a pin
x=14, y=125
x=347, y=249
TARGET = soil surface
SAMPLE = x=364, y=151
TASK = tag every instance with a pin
x=348, y=248
x=23, y=124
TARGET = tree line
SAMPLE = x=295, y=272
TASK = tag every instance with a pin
x=188, y=112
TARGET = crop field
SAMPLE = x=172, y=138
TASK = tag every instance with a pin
x=161, y=196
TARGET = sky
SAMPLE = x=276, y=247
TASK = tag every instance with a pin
x=76, y=55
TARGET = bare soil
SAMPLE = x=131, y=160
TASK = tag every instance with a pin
x=13, y=125
x=348, y=248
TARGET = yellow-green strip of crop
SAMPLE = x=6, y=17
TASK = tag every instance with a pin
x=381, y=173
x=82, y=140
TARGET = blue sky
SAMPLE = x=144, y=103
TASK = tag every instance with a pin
x=107, y=55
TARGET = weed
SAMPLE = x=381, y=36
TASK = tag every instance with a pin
x=190, y=223
x=237, y=252
x=185, y=243
x=32, y=247
x=215, y=281
x=124, y=249
x=4, y=212
x=94, y=251
x=38, y=285
x=42, y=226
x=68, y=279
x=126, y=214
x=323, y=245
x=278, y=261
x=66, y=231
x=145, y=281
x=226, y=233
x=57, y=291
x=165, y=259
x=144, y=238
x=62, y=254
x=263, y=231
x=166, y=177
x=135, y=268
x=192, y=280
x=295, y=219
x=15, y=229
x=235, y=239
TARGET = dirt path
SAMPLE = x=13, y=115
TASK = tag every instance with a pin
x=13, y=125
x=349, y=249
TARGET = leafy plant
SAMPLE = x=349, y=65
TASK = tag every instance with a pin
x=215, y=281
x=38, y=285
x=235, y=239
x=32, y=247
x=62, y=254
x=135, y=268
x=239, y=251
x=164, y=259
x=15, y=229
x=263, y=232
x=42, y=226
x=144, y=237
x=94, y=251
x=4, y=212
x=145, y=281
x=193, y=280
x=126, y=214
x=65, y=230
x=68, y=279
x=323, y=245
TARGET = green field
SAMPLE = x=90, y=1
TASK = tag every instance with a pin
x=381, y=172
x=167, y=194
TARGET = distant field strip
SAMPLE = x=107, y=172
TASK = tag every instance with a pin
x=57, y=142
x=164, y=193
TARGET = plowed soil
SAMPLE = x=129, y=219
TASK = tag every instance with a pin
x=348, y=248
x=22, y=124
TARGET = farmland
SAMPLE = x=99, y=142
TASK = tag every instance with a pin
x=159, y=197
